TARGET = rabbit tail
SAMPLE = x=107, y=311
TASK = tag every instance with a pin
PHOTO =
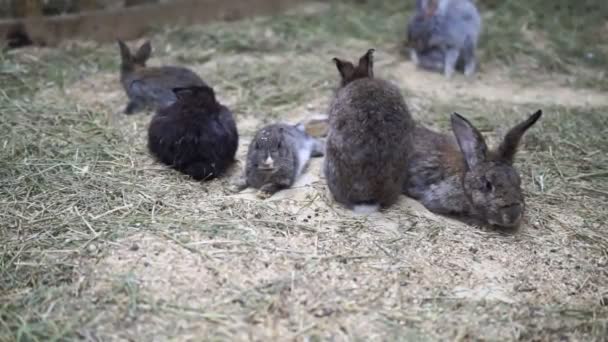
x=366, y=208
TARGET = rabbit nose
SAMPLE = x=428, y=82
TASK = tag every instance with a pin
x=512, y=215
x=269, y=162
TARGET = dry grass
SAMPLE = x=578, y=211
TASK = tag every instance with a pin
x=99, y=242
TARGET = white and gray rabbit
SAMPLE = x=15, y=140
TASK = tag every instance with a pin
x=277, y=156
x=458, y=175
x=443, y=35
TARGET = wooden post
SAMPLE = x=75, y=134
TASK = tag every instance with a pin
x=131, y=3
x=27, y=8
x=87, y=5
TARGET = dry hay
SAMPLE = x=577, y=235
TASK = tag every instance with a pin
x=146, y=254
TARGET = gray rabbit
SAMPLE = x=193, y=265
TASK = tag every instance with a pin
x=277, y=156
x=151, y=86
x=458, y=175
x=369, y=134
x=443, y=35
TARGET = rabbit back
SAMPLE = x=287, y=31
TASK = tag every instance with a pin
x=367, y=144
x=462, y=23
x=153, y=86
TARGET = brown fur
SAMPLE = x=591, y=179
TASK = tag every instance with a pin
x=459, y=176
x=369, y=131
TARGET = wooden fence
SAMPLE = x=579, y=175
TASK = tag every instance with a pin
x=31, y=25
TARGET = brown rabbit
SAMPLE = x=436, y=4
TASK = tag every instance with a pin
x=369, y=133
x=151, y=86
x=460, y=176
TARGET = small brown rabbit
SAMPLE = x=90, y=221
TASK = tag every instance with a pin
x=460, y=176
x=369, y=133
x=277, y=156
x=151, y=86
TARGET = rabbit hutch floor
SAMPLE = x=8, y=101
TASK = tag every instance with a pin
x=100, y=242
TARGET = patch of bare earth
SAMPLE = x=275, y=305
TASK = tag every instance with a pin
x=297, y=266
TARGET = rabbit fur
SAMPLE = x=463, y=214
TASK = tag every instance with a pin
x=458, y=175
x=151, y=87
x=448, y=30
x=369, y=133
x=195, y=135
x=277, y=156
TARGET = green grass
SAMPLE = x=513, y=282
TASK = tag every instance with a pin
x=72, y=184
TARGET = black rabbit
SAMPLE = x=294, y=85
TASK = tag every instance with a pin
x=195, y=135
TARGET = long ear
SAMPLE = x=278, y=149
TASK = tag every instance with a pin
x=421, y=5
x=144, y=52
x=440, y=7
x=366, y=63
x=205, y=93
x=430, y=8
x=183, y=92
x=125, y=53
x=508, y=147
x=471, y=142
x=346, y=68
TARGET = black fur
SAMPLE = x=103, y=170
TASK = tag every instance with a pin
x=196, y=135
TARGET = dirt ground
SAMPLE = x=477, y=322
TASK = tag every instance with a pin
x=165, y=258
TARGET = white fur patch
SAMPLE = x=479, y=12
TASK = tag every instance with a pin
x=366, y=208
x=303, y=154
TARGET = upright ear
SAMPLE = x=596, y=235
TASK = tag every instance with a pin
x=125, y=53
x=201, y=93
x=440, y=7
x=366, y=64
x=421, y=6
x=471, y=142
x=346, y=68
x=144, y=52
x=430, y=8
x=508, y=147
x=183, y=93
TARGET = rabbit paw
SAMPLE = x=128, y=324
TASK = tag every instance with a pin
x=261, y=194
x=238, y=185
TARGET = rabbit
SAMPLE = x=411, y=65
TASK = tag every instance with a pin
x=151, y=86
x=445, y=28
x=460, y=176
x=196, y=135
x=369, y=131
x=277, y=156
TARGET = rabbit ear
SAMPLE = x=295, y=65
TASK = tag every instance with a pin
x=430, y=8
x=366, y=63
x=471, y=142
x=508, y=147
x=125, y=53
x=421, y=5
x=182, y=93
x=144, y=52
x=346, y=69
x=441, y=6
x=204, y=93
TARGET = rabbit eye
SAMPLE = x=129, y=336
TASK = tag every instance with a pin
x=488, y=186
x=279, y=145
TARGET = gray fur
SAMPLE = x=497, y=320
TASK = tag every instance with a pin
x=458, y=175
x=452, y=27
x=151, y=87
x=288, y=147
x=369, y=133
